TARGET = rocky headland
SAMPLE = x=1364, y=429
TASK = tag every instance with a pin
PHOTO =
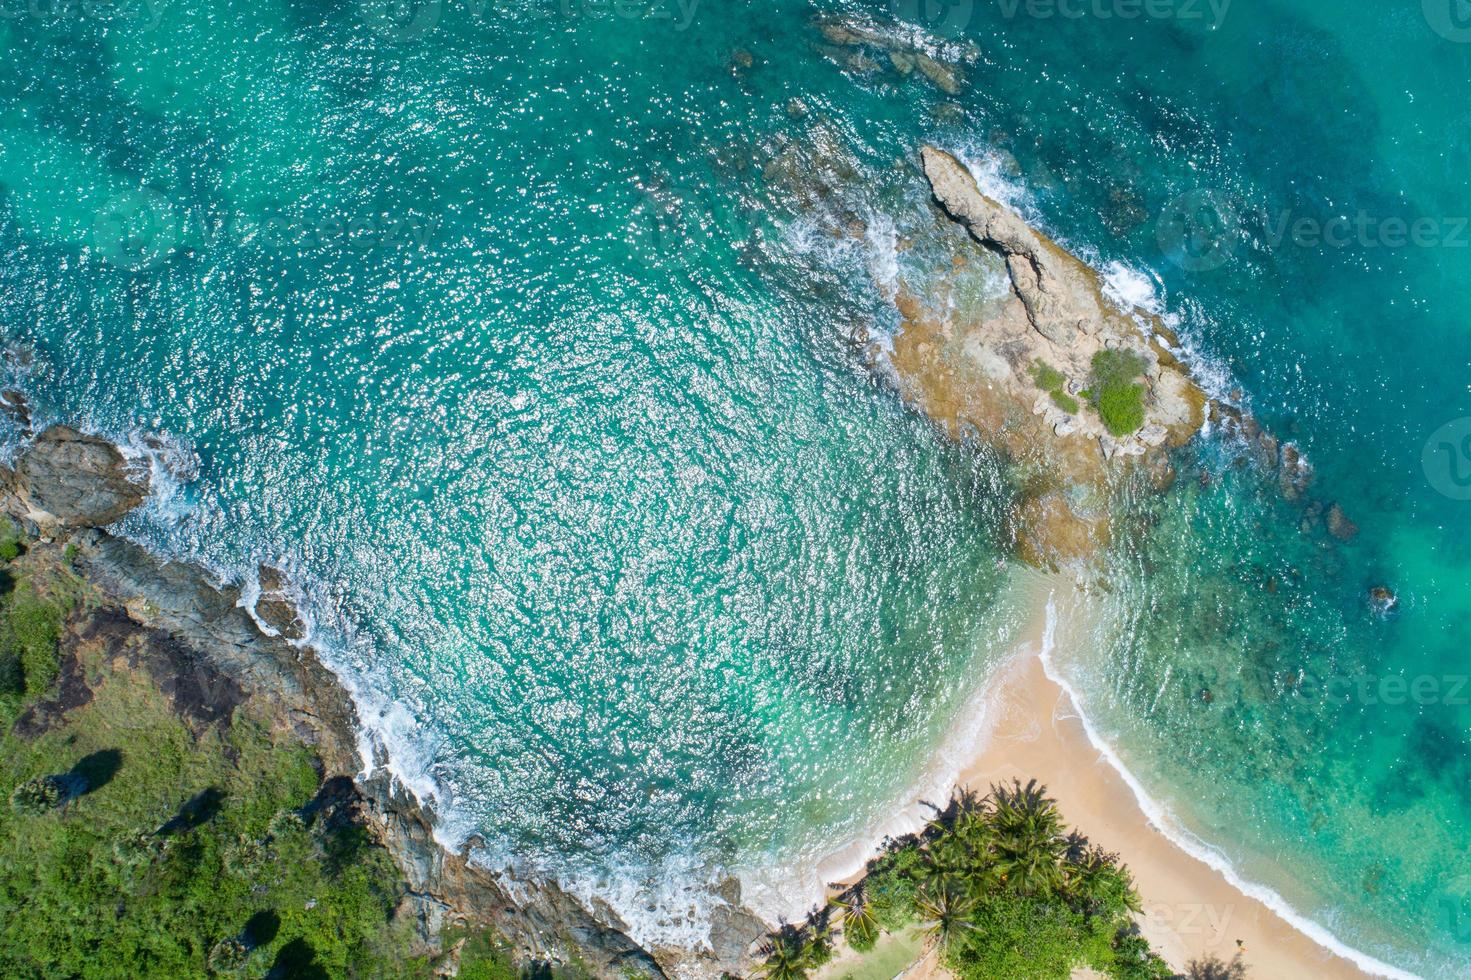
x=1025, y=373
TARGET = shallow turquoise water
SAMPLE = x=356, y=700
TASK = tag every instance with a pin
x=495, y=328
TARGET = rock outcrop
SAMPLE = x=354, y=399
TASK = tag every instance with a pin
x=972, y=367
x=70, y=480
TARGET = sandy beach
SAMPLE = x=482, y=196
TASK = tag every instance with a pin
x=1190, y=910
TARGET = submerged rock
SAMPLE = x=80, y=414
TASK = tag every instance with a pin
x=1382, y=600
x=1339, y=525
x=13, y=405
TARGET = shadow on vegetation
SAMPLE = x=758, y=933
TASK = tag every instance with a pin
x=297, y=960
x=95, y=771
x=261, y=929
x=200, y=809
x=335, y=800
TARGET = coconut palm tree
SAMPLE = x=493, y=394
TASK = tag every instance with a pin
x=1029, y=845
x=856, y=915
x=1096, y=883
x=946, y=913
x=791, y=952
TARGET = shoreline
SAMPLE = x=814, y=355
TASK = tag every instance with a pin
x=1022, y=721
x=1192, y=908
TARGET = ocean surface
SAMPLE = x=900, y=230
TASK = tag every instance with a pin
x=512, y=333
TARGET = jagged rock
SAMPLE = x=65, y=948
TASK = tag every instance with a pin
x=275, y=607
x=1382, y=600
x=946, y=78
x=1153, y=434
x=1339, y=525
x=69, y=479
x=1052, y=294
x=903, y=63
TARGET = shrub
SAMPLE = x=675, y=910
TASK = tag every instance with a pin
x=1048, y=377
x=1121, y=407
x=1118, y=398
x=1018, y=938
x=1065, y=401
x=486, y=957
x=891, y=887
x=36, y=796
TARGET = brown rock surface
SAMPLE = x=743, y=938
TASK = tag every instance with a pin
x=69, y=479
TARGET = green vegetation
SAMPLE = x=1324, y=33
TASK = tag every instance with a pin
x=31, y=614
x=1001, y=889
x=1065, y=402
x=1114, y=391
x=484, y=957
x=1054, y=382
x=141, y=842
x=793, y=951
x=1048, y=377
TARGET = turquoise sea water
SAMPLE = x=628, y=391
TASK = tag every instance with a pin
x=499, y=327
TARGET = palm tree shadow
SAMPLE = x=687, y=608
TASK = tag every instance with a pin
x=261, y=929
x=92, y=772
x=297, y=960
x=198, y=810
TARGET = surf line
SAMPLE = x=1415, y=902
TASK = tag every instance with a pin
x=1160, y=820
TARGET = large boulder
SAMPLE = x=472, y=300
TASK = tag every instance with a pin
x=276, y=607
x=74, y=480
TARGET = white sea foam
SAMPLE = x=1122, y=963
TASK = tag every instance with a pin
x=1163, y=821
x=883, y=253
x=991, y=172
x=1130, y=288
